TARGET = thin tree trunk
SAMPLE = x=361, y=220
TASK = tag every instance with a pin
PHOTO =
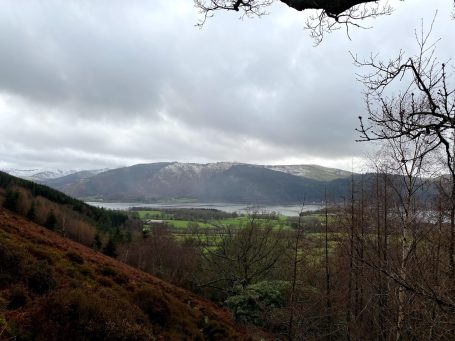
x=294, y=276
x=379, y=260
x=351, y=264
x=327, y=273
x=384, y=282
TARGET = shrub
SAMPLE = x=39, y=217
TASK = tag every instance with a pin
x=117, y=277
x=253, y=304
x=11, y=262
x=105, y=282
x=108, y=271
x=75, y=257
x=216, y=331
x=18, y=298
x=153, y=304
x=39, y=277
x=86, y=271
x=86, y=314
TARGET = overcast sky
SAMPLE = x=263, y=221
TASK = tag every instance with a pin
x=103, y=83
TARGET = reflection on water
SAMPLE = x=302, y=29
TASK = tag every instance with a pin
x=287, y=210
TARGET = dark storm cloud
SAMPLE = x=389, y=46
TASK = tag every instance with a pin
x=85, y=84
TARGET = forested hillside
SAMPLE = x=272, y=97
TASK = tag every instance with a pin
x=70, y=217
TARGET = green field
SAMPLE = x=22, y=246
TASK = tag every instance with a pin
x=183, y=224
x=148, y=214
x=211, y=231
x=280, y=222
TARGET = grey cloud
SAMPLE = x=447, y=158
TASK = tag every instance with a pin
x=107, y=83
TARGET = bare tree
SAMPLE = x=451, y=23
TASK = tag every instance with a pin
x=400, y=157
x=236, y=257
x=295, y=245
x=327, y=16
x=423, y=109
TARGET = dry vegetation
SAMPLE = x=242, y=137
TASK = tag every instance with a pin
x=52, y=288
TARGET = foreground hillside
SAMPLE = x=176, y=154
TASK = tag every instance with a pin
x=52, y=288
x=65, y=215
x=213, y=182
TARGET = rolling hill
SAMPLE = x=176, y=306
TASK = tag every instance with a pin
x=213, y=182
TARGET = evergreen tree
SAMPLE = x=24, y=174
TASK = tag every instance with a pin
x=11, y=200
x=97, y=243
x=31, y=214
x=109, y=249
x=51, y=221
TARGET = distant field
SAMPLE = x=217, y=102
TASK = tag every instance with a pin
x=148, y=214
x=183, y=224
x=182, y=229
x=280, y=222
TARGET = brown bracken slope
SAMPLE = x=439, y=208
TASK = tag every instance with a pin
x=52, y=288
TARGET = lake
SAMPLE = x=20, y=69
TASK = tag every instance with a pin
x=287, y=210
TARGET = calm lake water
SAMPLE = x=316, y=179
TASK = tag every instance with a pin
x=287, y=210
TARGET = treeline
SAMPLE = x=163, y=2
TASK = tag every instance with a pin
x=104, y=219
x=192, y=214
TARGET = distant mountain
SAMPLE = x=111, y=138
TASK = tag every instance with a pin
x=42, y=175
x=37, y=174
x=212, y=182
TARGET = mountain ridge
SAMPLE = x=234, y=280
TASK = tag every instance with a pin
x=209, y=182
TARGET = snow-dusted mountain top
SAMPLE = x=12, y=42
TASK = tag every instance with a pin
x=311, y=171
x=176, y=170
x=210, y=182
x=39, y=174
x=199, y=167
x=315, y=172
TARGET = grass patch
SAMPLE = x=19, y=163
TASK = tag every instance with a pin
x=149, y=214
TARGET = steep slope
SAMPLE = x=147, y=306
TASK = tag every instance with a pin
x=128, y=183
x=222, y=182
x=68, y=216
x=52, y=288
x=72, y=179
